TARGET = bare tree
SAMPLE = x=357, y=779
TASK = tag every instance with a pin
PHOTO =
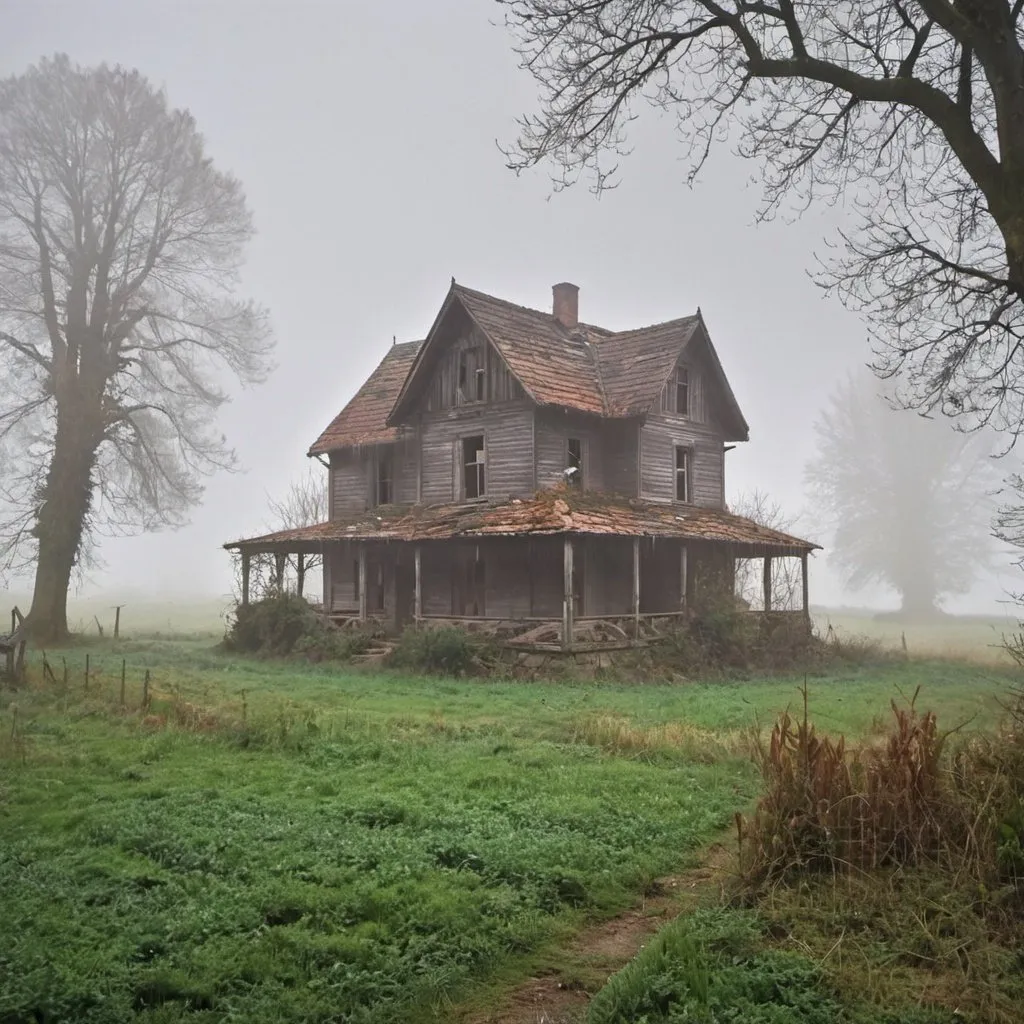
x=120, y=244
x=304, y=504
x=787, y=585
x=908, y=497
x=909, y=111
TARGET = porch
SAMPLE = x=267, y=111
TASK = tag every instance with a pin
x=563, y=592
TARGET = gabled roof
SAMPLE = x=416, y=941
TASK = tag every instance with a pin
x=364, y=419
x=547, y=512
x=586, y=368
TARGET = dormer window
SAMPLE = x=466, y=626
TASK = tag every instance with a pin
x=681, y=392
x=472, y=386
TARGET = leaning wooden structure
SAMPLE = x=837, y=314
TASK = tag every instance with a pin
x=524, y=473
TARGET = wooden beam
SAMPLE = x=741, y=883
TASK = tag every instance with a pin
x=805, y=587
x=567, y=598
x=636, y=587
x=362, y=582
x=767, y=583
x=417, y=606
x=245, y=577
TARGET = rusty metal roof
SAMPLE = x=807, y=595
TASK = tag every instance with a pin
x=364, y=419
x=548, y=512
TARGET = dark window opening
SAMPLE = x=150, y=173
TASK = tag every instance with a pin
x=385, y=490
x=574, y=463
x=474, y=482
x=682, y=392
x=682, y=474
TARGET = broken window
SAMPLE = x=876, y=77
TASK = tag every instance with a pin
x=472, y=376
x=682, y=474
x=474, y=484
x=682, y=392
x=574, y=463
x=384, y=491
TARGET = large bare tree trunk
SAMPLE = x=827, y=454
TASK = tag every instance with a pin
x=61, y=520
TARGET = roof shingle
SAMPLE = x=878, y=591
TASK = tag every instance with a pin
x=548, y=512
x=364, y=419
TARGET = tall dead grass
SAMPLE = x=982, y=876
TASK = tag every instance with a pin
x=906, y=798
x=618, y=735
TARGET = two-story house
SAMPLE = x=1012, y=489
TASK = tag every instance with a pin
x=523, y=467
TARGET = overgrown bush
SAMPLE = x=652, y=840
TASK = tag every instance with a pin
x=283, y=624
x=446, y=650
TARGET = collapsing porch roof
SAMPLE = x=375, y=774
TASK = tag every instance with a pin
x=546, y=513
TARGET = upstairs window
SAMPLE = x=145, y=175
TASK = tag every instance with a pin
x=574, y=463
x=474, y=480
x=384, y=485
x=472, y=381
x=681, y=392
x=682, y=474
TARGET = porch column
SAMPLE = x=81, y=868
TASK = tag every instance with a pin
x=636, y=588
x=806, y=590
x=328, y=586
x=280, y=561
x=683, y=573
x=362, y=582
x=417, y=607
x=245, y=577
x=567, y=599
x=767, y=583
x=300, y=573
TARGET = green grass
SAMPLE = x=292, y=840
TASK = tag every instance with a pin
x=320, y=845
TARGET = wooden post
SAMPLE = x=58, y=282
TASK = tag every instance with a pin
x=636, y=588
x=567, y=597
x=362, y=582
x=806, y=589
x=245, y=578
x=280, y=561
x=684, y=582
x=417, y=605
x=300, y=573
x=767, y=583
x=117, y=620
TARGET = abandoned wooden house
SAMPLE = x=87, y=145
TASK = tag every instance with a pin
x=524, y=471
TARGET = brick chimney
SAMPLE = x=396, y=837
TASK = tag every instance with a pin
x=566, y=304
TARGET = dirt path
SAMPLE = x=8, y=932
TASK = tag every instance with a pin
x=561, y=995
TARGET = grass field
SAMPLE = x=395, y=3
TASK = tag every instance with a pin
x=282, y=842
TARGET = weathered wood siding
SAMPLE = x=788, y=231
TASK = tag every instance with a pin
x=552, y=430
x=620, y=443
x=508, y=440
x=660, y=436
x=349, y=481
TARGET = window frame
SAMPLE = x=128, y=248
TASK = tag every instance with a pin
x=383, y=459
x=681, y=382
x=467, y=391
x=685, y=471
x=575, y=480
x=480, y=467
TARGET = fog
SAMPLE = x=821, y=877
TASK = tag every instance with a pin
x=366, y=137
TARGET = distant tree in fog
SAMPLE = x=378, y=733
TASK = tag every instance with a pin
x=787, y=585
x=120, y=244
x=907, y=496
x=909, y=114
x=303, y=504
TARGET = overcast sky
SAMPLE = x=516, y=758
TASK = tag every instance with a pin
x=366, y=134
